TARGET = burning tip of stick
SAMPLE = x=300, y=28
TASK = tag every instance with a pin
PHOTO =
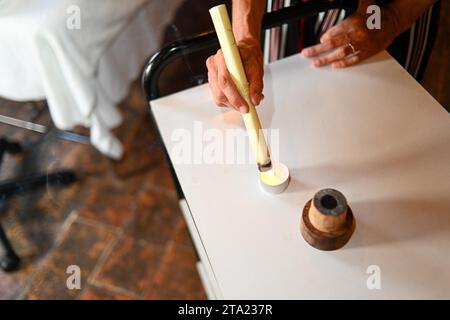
x=265, y=167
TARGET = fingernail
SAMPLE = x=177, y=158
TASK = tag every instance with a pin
x=243, y=109
x=317, y=63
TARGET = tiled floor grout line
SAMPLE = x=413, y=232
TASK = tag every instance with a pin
x=115, y=289
x=167, y=246
x=92, y=281
x=65, y=227
x=58, y=240
x=164, y=191
x=97, y=223
x=106, y=253
x=104, y=256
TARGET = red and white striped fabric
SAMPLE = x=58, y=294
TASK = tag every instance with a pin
x=276, y=39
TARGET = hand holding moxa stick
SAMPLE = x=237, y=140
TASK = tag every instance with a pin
x=233, y=61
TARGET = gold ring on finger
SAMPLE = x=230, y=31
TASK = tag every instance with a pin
x=352, y=47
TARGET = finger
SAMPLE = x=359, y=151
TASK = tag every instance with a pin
x=254, y=72
x=336, y=31
x=210, y=63
x=348, y=26
x=324, y=47
x=338, y=54
x=344, y=63
x=218, y=96
x=227, y=86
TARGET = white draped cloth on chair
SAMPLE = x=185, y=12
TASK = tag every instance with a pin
x=80, y=55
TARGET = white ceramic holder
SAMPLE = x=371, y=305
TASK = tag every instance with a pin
x=276, y=179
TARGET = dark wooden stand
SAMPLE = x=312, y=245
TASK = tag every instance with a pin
x=327, y=228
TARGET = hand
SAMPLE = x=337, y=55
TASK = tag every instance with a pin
x=222, y=86
x=336, y=44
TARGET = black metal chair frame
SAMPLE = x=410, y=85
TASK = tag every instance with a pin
x=162, y=58
x=10, y=261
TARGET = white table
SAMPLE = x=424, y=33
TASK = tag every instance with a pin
x=369, y=131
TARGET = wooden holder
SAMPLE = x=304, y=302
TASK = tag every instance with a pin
x=224, y=31
x=327, y=221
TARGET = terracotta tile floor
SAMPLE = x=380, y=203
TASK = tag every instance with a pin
x=120, y=222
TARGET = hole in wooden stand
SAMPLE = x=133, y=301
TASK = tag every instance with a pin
x=329, y=202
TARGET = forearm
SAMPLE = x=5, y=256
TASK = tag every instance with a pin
x=363, y=4
x=405, y=13
x=247, y=18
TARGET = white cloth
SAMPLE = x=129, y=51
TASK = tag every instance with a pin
x=83, y=73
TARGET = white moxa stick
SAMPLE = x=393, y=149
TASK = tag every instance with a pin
x=233, y=61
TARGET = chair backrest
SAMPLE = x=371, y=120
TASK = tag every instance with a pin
x=161, y=59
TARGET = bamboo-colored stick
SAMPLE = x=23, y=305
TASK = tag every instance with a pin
x=233, y=61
